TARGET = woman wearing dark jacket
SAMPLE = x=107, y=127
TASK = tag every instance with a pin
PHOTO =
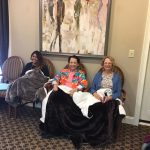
x=34, y=75
x=36, y=62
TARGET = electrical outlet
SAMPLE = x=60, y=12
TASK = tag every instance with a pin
x=131, y=53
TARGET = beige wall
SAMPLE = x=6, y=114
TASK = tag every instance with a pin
x=126, y=32
x=24, y=24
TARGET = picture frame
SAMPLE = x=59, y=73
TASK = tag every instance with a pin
x=79, y=27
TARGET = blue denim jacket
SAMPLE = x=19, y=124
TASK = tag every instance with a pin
x=116, y=89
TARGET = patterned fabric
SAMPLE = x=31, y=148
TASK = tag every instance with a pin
x=107, y=81
x=96, y=85
x=70, y=78
x=78, y=78
x=80, y=67
x=23, y=133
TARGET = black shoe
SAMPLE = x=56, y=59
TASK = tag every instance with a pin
x=42, y=126
x=46, y=135
x=76, y=140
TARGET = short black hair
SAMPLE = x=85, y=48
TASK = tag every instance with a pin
x=75, y=57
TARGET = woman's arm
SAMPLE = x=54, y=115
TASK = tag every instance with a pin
x=83, y=83
x=95, y=84
x=45, y=70
x=27, y=67
x=56, y=81
x=57, y=78
x=117, y=86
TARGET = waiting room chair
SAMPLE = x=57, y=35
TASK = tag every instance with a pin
x=11, y=70
x=50, y=66
x=118, y=70
x=24, y=100
x=123, y=94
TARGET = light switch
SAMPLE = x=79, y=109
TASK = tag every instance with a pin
x=131, y=53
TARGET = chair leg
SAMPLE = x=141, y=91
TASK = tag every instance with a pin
x=9, y=110
x=34, y=105
x=15, y=109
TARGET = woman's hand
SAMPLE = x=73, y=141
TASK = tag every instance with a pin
x=106, y=99
x=48, y=86
x=97, y=96
x=72, y=92
x=55, y=87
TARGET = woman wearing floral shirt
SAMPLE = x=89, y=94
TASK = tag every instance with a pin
x=72, y=76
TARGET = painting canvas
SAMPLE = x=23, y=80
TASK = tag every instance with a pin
x=74, y=26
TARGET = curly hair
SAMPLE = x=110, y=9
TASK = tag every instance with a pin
x=111, y=59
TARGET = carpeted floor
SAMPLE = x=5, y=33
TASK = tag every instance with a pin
x=24, y=134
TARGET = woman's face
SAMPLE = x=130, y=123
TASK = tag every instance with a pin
x=107, y=64
x=34, y=59
x=73, y=63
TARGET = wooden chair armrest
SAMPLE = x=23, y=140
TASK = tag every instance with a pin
x=123, y=96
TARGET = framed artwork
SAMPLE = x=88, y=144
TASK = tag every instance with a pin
x=78, y=27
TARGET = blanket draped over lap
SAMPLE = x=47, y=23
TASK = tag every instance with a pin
x=25, y=87
x=63, y=117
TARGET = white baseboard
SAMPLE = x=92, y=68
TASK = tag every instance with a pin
x=144, y=123
x=130, y=120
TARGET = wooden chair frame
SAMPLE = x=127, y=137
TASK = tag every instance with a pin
x=118, y=70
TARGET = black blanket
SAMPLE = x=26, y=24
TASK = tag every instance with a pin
x=63, y=117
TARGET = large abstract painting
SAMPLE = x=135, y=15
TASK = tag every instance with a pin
x=74, y=26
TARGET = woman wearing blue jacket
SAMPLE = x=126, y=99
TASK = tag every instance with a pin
x=107, y=78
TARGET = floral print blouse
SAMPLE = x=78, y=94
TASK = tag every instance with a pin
x=78, y=79
x=107, y=81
